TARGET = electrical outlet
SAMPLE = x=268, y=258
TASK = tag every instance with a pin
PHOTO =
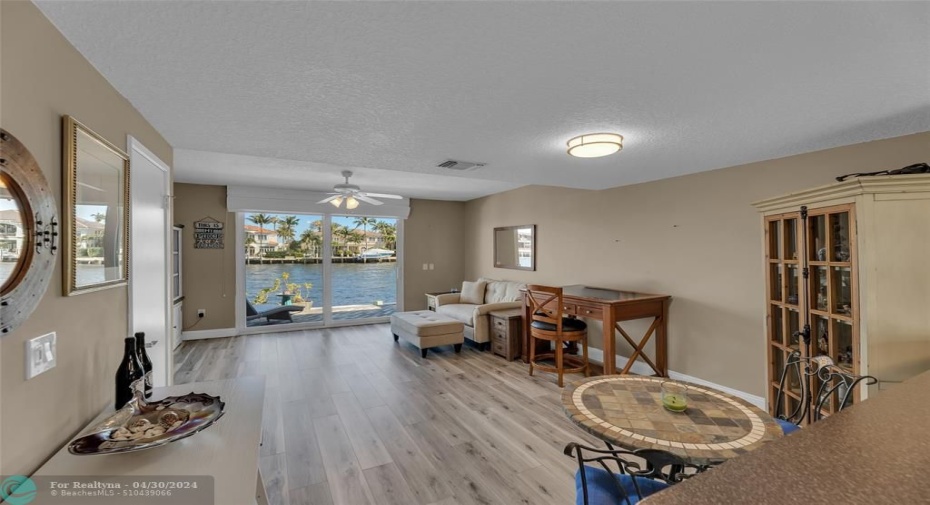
x=41, y=354
x=431, y=266
x=425, y=266
x=201, y=313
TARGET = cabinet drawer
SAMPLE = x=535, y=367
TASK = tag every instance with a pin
x=498, y=335
x=594, y=312
x=497, y=322
x=499, y=349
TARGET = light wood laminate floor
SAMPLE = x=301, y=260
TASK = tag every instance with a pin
x=351, y=417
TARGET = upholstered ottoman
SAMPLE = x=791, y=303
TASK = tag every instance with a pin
x=425, y=329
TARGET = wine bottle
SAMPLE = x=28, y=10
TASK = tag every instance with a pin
x=129, y=371
x=145, y=362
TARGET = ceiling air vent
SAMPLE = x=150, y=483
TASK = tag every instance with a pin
x=460, y=165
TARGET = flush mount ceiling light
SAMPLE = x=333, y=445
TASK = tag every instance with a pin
x=595, y=145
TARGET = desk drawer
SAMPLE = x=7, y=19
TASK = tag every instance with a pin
x=592, y=312
x=569, y=309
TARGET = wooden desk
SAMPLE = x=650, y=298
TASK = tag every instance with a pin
x=227, y=450
x=613, y=307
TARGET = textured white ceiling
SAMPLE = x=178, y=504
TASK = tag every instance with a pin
x=397, y=87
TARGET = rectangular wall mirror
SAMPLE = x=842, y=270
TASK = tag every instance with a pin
x=515, y=247
x=95, y=211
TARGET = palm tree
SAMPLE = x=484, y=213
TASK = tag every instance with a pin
x=388, y=233
x=339, y=232
x=310, y=241
x=261, y=220
x=364, y=222
x=286, y=229
x=353, y=237
x=99, y=216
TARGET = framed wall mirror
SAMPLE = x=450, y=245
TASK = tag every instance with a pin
x=515, y=247
x=96, y=211
x=28, y=233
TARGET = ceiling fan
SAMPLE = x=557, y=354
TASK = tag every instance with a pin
x=352, y=194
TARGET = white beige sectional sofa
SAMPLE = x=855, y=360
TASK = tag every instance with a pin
x=472, y=305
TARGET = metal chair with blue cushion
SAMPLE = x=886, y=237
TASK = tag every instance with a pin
x=548, y=323
x=639, y=474
x=835, y=389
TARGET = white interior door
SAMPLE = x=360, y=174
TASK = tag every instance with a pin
x=150, y=311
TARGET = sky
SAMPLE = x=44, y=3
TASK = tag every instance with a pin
x=306, y=220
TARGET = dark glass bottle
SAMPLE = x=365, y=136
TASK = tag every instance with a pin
x=145, y=362
x=128, y=372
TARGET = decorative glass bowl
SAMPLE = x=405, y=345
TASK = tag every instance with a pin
x=140, y=425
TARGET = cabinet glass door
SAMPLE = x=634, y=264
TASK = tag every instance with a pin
x=784, y=301
x=833, y=294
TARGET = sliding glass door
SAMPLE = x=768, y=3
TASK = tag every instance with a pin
x=312, y=270
x=364, y=267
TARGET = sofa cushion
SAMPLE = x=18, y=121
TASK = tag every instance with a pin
x=472, y=292
x=463, y=312
x=503, y=291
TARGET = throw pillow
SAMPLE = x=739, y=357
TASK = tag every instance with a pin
x=473, y=292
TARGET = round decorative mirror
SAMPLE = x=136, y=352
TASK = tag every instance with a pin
x=28, y=233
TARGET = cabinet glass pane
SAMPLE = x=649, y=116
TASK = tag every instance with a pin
x=842, y=335
x=794, y=325
x=778, y=363
x=774, y=240
x=792, y=406
x=841, y=284
x=791, y=239
x=793, y=281
x=818, y=279
x=817, y=238
x=775, y=330
x=820, y=338
x=775, y=282
x=839, y=224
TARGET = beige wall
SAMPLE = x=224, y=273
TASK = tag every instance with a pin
x=695, y=237
x=209, y=274
x=433, y=234
x=44, y=77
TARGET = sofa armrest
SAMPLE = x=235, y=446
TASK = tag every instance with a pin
x=448, y=298
x=488, y=307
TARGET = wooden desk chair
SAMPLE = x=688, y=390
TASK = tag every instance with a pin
x=545, y=303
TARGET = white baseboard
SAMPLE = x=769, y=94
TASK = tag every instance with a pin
x=202, y=334
x=641, y=368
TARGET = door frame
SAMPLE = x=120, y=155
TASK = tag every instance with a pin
x=135, y=146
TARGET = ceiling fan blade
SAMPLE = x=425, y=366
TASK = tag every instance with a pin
x=381, y=195
x=365, y=199
x=327, y=200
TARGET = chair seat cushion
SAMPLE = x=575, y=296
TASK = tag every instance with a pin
x=787, y=427
x=603, y=487
x=568, y=324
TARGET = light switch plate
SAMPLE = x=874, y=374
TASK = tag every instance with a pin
x=41, y=354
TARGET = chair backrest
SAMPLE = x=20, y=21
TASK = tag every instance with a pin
x=835, y=387
x=545, y=304
x=653, y=464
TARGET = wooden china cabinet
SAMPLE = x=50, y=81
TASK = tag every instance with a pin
x=850, y=264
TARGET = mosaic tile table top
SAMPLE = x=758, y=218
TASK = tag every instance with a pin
x=626, y=410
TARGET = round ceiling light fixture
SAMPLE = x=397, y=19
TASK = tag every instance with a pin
x=595, y=145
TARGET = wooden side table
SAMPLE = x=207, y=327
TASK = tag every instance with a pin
x=431, y=299
x=507, y=333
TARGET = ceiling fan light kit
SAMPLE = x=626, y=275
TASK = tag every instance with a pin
x=353, y=195
x=595, y=145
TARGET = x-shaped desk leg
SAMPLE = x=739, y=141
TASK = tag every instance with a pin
x=638, y=348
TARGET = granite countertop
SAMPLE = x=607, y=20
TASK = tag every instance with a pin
x=875, y=452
